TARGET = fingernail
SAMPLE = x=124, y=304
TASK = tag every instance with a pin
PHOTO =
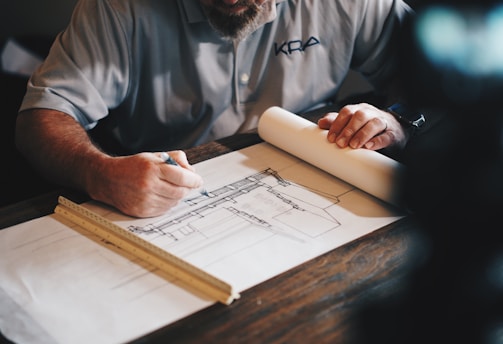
x=341, y=142
x=331, y=137
x=369, y=145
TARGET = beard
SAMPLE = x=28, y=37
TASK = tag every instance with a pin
x=234, y=26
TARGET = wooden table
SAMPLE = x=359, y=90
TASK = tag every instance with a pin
x=318, y=301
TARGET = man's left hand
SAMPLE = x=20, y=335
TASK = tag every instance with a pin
x=363, y=126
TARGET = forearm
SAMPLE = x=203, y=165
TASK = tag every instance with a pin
x=58, y=147
x=138, y=185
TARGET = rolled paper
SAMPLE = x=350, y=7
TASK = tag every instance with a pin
x=367, y=170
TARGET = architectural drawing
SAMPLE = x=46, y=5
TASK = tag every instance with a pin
x=262, y=202
x=266, y=212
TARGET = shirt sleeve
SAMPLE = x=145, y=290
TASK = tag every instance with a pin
x=86, y=72
x=377, y=42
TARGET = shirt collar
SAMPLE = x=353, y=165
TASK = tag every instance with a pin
x=193, y=11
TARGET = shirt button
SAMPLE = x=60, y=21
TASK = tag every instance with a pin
x=244, y=78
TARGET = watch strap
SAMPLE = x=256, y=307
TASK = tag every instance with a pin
x=406, y=115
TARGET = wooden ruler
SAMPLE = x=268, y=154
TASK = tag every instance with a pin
x=209, y=285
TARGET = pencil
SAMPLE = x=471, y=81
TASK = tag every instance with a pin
x=169, y=160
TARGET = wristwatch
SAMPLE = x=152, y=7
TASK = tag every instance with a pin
x=407, y=116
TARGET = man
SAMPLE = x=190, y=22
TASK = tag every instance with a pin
x=164, y=75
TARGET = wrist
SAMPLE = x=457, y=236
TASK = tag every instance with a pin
x=410, y=118
x=97, y=176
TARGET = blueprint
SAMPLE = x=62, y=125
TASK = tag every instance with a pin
x=266, y=212
x=265, y=203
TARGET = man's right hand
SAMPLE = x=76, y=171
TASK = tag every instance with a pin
x=140, y=185
x=143, y=185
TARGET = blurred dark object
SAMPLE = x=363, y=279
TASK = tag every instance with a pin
x=19, y=180
x=452, y=54
x=452, y=65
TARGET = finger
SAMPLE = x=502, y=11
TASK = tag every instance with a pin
x=181, y=177
x=326, y=121
x=385, y=127
x=180, y=157
x=367, y=131
x=380, y=141
x=339, y=124
x=351, y=124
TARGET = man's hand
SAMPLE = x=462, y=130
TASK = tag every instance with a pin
x=363, y=126
x=143, y=185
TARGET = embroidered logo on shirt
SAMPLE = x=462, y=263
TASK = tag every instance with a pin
x=294, y=46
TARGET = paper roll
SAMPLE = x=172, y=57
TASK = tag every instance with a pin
x=365, y=169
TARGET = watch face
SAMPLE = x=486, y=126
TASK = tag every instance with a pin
x=407, y=115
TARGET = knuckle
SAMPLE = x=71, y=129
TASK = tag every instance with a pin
x=391, y=136
x=378, y=121
x=348, y=132
x=360, y=114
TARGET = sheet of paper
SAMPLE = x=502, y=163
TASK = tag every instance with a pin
x=368, y=170
x=267, y=212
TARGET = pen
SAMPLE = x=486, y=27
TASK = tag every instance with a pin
x=169, y=160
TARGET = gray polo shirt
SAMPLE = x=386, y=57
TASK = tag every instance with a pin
x=166, y=80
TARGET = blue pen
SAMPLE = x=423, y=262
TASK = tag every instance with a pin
x=169, y=160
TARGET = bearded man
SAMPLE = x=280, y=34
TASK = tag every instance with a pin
x=163, y=75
